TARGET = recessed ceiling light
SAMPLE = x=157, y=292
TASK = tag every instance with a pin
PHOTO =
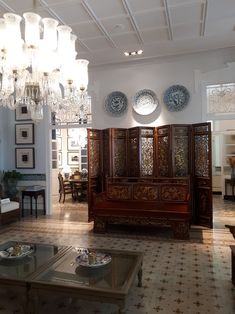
x=133, y=53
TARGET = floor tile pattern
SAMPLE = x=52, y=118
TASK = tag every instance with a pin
x=188, y=277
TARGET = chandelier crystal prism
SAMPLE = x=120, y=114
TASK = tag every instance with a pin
x=41, y=68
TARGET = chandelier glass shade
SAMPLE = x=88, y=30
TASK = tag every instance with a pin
x=40, y=68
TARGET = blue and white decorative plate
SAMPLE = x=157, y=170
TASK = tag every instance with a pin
x=145, y=102
x=176, y=97
x=116, y=103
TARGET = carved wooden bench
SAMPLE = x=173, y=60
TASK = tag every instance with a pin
x=156, y=202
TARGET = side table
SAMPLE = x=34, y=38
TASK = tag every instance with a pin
x=34, y=194
x=233, y=263
x=230, y=182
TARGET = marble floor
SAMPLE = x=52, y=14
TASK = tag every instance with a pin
x=184, y=277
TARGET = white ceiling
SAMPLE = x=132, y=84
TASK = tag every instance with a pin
x=107, y=28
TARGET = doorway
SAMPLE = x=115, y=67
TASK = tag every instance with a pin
x=69, y=158
x=223, y=148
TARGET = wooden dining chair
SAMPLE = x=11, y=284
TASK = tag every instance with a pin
x=64, y=188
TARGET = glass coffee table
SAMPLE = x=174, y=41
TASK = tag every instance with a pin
x=18, y=260
x=90, y=274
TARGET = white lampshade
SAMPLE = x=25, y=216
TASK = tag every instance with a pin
x=32, y=29
x=64, y=40
x=50, y=33
x=82, y=73
x=2, y=34
x=13, y=34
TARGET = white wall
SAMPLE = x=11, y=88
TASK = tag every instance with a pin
x=157, y=75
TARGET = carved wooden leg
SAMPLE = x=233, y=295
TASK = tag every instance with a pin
x=140, y=273
x=99, y=225
x=181, y=230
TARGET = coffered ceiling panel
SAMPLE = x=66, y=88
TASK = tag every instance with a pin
x=126, y=40
x=151, y=19
x=186, y=31
x=117, y=25
x=86, y=30
x=98, y=43
x=144, y=5
x=218, y=9
x=220, y=27
x=106, y=28
x=106, y=8
x=72, y=13
x=186, y=14
x=154, y=35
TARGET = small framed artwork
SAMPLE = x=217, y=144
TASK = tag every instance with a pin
x=60, y=159
x=58, y=132
x=22, y=113
x=24, y=134
x=59, y=143
x=73, y=158
x=24, y=158
x=73, y=144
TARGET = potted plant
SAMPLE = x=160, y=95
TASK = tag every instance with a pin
x=10, y=179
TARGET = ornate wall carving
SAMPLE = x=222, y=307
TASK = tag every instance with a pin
x=201, y=156
x=145, y=192
x=119, y=192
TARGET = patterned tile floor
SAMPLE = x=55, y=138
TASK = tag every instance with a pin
x=188, y=277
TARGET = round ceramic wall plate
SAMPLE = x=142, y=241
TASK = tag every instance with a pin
x=145, y=102
x=116, y=103
x=176, y=97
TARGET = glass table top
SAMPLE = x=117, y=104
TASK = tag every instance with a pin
x=114, y=275
x=19, y=266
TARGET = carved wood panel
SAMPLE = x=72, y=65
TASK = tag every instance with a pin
x=133, y=152
x=119, y=152
x=163, y=152
x=202, y=175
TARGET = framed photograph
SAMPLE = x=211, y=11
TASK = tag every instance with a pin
x=58, y=132
x=60, y=159
x=22, y=113
x=73, y=144
x=71, y=132
x=24, y=134
x=73, y=158
x=59, y=143
x=24, y=158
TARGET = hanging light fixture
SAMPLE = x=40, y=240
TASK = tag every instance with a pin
x=42, y=69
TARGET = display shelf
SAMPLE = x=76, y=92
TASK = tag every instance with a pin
x=227, y=152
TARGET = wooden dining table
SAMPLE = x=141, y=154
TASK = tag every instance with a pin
x=79, y=184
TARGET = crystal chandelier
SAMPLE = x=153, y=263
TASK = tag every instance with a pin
x=41, y=68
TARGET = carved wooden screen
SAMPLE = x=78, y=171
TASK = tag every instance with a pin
x=202, y=174
x=163, y=152
x=181, y=152
x=94, y=166
x=133, y=152
x=106, y=154
x=119, y=152
x=146, y=151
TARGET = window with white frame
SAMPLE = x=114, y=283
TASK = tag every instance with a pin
x=221, y=98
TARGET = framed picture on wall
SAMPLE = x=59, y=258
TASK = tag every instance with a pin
x=73, y=158
x=25, y=158
x=73, y=144
x=22, y=113
x=58, y=132
x=24, y=134
x=59, y=143
x=60, y=159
